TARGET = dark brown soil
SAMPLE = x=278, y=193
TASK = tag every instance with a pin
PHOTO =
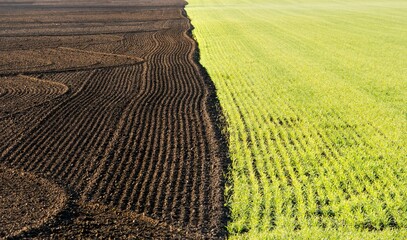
x=106, y=99
x=60, y=59
x=26, y=202
x=18, y=93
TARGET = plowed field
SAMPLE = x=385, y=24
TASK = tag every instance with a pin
x=104, y=108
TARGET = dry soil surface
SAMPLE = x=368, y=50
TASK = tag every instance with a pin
x=108, y=125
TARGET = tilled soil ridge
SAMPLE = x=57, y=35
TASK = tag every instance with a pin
x=27, y=202
x=129, y=139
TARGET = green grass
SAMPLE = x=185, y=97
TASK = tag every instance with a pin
x=315, y=98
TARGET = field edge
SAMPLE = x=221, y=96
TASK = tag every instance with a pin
x=218, y=123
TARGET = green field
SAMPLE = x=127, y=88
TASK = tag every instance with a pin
x=315, y=99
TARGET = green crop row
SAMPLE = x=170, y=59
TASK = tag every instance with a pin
x=315, y=98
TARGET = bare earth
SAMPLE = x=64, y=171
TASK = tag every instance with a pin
x=108, y=125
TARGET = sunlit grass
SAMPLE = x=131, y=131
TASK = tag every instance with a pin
x=315, y=97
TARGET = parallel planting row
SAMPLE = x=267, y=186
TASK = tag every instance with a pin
x=315, y=96
x=112, y=107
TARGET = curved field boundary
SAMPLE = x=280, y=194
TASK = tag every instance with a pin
x=140, y=137
x=27, y=202
x=39, y=42
x=20, y=93
x=102, y=54
x=60, y=59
